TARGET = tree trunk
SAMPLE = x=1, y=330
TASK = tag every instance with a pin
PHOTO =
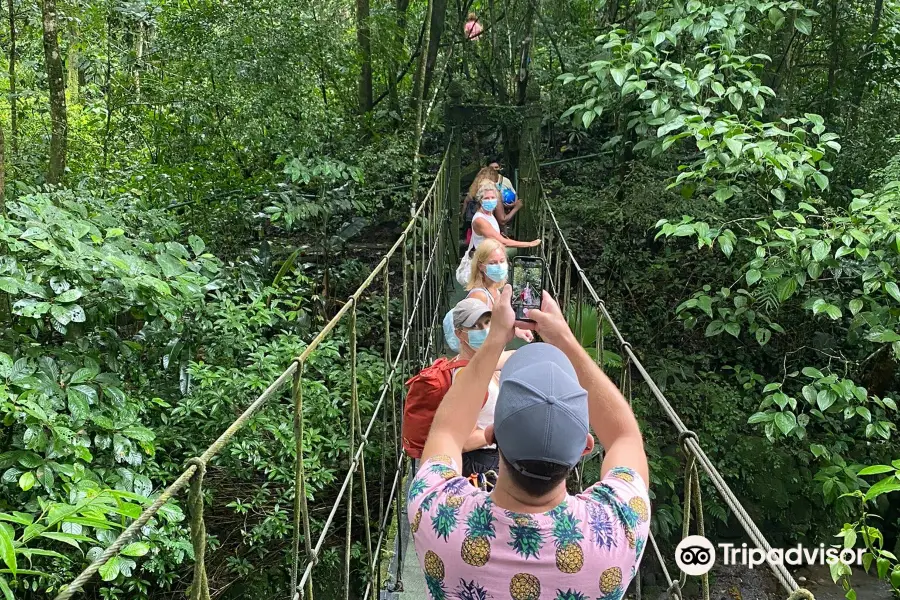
x=778, y=79
x=2, y=173
x=365, y=54
x=438, y=18
x=864, y=73
x=107, y=94
x=833, y=58
x=401, y=7
x=498, y=66
x=418, y=104
x=138, y=58
x=13, y=116
x=53, y=63
x=72, y=60
x=322, y=75
x=525, y=55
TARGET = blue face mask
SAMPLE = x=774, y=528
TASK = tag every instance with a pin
x=497, y=272
x=489, y=204
x=477, y=337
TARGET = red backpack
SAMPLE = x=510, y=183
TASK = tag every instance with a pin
x=426, y=390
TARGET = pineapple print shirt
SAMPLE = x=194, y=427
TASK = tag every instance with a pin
x=587, y=548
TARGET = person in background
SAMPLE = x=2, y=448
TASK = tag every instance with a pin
x=509, y=203
x=508, y=195
x=490, y=270
x=472, y=28
x=469, y=208
x=529, y=538
x=472, y=322
x=484, y=223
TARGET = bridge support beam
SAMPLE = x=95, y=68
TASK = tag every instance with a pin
x=454, y=199
x=529, y=184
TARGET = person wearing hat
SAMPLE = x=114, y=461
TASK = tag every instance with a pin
x=530, y=538
x=471, y=324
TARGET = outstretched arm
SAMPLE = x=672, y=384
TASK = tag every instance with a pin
x=484, y=229
x=610, y=416
x=457, y=414
x=513, y=210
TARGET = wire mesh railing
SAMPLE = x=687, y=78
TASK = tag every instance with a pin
x=418, y=260
x=581, y=303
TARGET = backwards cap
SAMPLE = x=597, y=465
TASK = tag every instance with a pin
x=542, y=410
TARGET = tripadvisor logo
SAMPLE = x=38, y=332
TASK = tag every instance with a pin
x=696, y=555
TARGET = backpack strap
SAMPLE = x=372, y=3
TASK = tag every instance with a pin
x=456, y=363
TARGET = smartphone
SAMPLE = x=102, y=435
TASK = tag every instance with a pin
x=527, y=284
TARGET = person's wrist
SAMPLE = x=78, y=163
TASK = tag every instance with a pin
x=565, y=341
x=496, y=338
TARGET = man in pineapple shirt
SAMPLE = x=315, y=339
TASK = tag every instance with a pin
x=529, y=539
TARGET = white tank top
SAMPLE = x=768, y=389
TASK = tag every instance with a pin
x=492, y=221
x=487, y=292
x=486, y=416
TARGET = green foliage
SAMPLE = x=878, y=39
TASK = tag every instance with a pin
x=805, y=257
x=69, y=264
x=765, y=249
x=586, y=328
x=78, y=448
x=682, y=79
x=887, y=565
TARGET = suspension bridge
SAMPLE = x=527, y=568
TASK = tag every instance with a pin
x=418, y=270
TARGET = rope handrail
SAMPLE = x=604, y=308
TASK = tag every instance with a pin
x=687, y=438
x=375, y=411
x=434, y=199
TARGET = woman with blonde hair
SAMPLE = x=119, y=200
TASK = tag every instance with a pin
x=484, y=223
x=504, y=211
x=488, y=275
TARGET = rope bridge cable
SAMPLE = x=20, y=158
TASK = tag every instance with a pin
x=432, y=280
x=426, y=232
x=556, y=251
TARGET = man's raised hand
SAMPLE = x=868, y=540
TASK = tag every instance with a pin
x=503, y=317
x=549, y=322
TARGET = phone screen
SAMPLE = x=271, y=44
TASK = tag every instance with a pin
x=527, y=285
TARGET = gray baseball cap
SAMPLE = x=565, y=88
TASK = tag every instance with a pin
x=542, y=410
x=467, y=312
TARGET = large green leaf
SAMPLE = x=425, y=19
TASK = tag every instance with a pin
x=9, y=285
x=619, y=75
x=136, y=549
x=69, y=296
x=804, y=25
x=78, y=405
x=196, y=244
x=885, y=486
x=110, y=570
x=820, y=250
x=171, y=266
x=785, y=421
x=4, y=587
x=7, y=549
x=27, y=480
